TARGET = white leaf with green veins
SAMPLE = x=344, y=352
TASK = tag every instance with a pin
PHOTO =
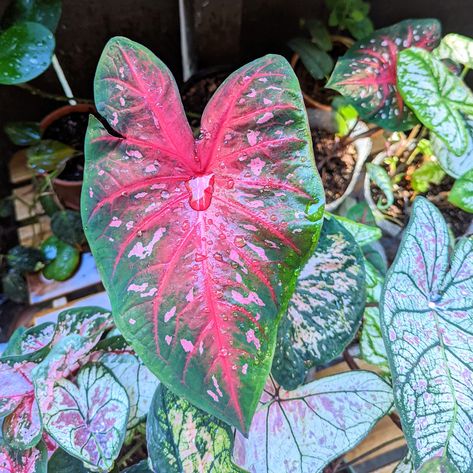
x=436, y=96
x=461, y=194
x=427, y=325
x=301, y=431
x=456, y=47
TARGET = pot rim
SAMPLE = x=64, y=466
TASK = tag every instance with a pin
x=60, y=112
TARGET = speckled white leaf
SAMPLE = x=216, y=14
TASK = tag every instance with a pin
x=301, y=431
x=436, y=96
x=454, y=165
x=427, y=325
x=362, y=233
x=88, y=418
x=456, y=47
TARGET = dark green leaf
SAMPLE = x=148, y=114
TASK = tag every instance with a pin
x=23, y=133
x=319, y=34
x=48, y=156
x=14, y=286
x=461, y=194
x=317, y=61
x=6, y=207
x=62, y=462
x=49, y=204
x=46, y=12
x=25, y=52
x=67, y=226
x=63, y=259
x=141, y=467
x=25, y=259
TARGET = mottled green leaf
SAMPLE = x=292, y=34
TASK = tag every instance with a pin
x=326, y=308
x=428, y=173
x=48, y=156
x=316, y=60
x=23, y=133
x=426, y=320
x=457, y=48
x=366, y=74
x=62, y=258
x=184, y=439
x=24, y=259
x=363, y=234
x=13, y=346
x=33, y=460
x=14, y=286
x=461, y=194
x=303, y=430
x=88, y=418
x=36, y=338
x=46, y=12
x=25, y=52
x=67, y=226
x=452, y=164
x=381, y=178
x=436, y=96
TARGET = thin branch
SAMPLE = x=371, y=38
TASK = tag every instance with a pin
x=47, y=95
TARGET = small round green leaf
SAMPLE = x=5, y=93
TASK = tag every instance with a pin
x=67, y=226
x=325, y=310
x=25, y=52
x=63, y=259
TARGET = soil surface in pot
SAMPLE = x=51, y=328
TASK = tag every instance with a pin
x=70, y=129
x=438, y=194
x=313, y=87
x=335, y=163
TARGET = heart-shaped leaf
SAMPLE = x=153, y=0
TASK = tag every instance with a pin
x=457, y=48
x=48, y=155
x=461, y=194
x=436, y=95
x=46, y=12
x=88, y=418
x=452, y=164
x=33, y=460
x=182, y=438
x=326, y=308
x=22, y=425
x=426, y=315
x=198, y=243
x=366, y=74
x=303, y=430
x=25, y=52
x=62, y=259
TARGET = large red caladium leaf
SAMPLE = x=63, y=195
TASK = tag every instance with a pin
x=199, y=242
x=366, y=74
x=33, y=460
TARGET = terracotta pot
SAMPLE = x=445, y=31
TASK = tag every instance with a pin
x=68, y=192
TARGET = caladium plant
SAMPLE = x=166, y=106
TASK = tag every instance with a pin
x=367, y=73
x=199, y=241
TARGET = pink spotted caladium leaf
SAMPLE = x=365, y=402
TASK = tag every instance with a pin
x=366, y=74
x=199, y=242
x=426, y=321
x=33, y=460
x=88, y=418
x=21, y=424
x=303, y=430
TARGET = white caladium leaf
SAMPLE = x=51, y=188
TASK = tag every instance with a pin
x=301, y=431
x=325, y=310
x=427, y=325
x=362, y=233
x=183, y=439
x=436, y=96
x=33, y=460
x=457, y=48
x=452, y=164
x=88, y=418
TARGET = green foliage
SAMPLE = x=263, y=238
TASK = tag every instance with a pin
x=45, y=12
x=25, y=259
x=461, y=194
x=430, y=172
x=351, y=15
x=14, y=286
x=381, y=178
x=316, y=60
x=49, y=155
x=61, y=259
x=23, y=133
x=67, y=226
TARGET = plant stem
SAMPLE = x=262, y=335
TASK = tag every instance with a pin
x=375, y=131
x=315, y=104
x=405, y=143
x=464, y=72
x=130, y=453
x=47, y=95
x=345, y=40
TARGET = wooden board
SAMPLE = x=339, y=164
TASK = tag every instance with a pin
x=26, y=194
x=19, y=171
x=34, y=233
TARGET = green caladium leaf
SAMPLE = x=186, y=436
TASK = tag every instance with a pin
x=426, y=313
x=67, y=226
x=49, y=155
x=36, y=338
x=33, y=460
x=436, y=96
x=363, y=234
x=25, y=52
x=381, y=178
x=303, y=430
x=12, y=348
x=452, y=164
x=317, y=61
x=429, y=173
x=23, y=133
x=461, y=194
x=62, y=259
x=62, y=462
x=326, y=308
x=46, y=12
x=88, y=418
x=366, y=74
x=182, y=438
x=199, y=242
x=457, y=48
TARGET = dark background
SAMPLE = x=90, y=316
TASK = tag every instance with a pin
x=220, y=32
